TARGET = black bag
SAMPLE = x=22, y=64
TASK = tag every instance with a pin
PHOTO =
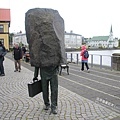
x=34, y=88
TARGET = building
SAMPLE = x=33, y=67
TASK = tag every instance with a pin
x=103, y=41
x=20, y=39
x=73, y=40
x=4, y=26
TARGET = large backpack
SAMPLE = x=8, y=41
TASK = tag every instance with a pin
x=86, y=54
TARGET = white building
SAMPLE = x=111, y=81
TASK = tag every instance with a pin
x=20, y=38
x=72, y=40
x=103, y=41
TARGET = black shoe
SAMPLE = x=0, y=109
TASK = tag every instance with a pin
x=54, y=111
x=46, y=107
x=15, y=70
x=2, y=75
x=19, y=71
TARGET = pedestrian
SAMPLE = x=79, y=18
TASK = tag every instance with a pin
x=36, y=72
x=23, y=51
x=84, y=59
x=2, y=54
x=17, y=54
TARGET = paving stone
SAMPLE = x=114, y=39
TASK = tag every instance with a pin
x=15, y=104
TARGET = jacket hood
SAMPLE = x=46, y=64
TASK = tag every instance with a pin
x=83, y=47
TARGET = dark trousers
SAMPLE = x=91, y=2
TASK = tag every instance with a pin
x=86, y=64
x=1, y=66
x=50, y=75
x=17, y=64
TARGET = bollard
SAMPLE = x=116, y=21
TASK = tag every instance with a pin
x=116, y=61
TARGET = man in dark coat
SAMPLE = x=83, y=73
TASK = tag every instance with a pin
x=17, y=53
x=2, y=54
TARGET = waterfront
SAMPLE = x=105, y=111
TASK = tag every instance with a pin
x=99, y=57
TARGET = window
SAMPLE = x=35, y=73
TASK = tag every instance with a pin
x=67, y=36
x=2, y=40
x=1, y=28
x=78, y=37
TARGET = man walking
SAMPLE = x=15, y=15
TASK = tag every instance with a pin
x=17, y=53
x=2, y=54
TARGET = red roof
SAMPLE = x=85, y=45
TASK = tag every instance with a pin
x=4, y=14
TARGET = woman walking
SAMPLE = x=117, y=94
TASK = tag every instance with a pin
x=84, y=58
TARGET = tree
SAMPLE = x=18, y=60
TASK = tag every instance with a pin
x=119, y=43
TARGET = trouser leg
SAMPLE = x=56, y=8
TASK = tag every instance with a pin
x=86, y=64
x=1, y=67
x=82, y=66
x=68, y=70
x=45, y=89
x=16, y=67
x=54, y=91
x=19, y=64
x=60, y=70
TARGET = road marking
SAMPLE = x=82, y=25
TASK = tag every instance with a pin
x=77, y=66
x=96, y=81
x=90, y=87
x=98, y=76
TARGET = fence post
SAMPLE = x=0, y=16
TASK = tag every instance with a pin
x=100, y=61
x=71, y=57
x=111, y=63
x=66, y=55
x=91, y=60
x=77, y=58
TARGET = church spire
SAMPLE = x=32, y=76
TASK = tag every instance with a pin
x=111, y=29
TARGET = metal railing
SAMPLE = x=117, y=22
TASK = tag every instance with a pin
x=101, y=61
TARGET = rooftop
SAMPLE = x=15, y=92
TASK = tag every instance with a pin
x=4, y=15
x=98, y=38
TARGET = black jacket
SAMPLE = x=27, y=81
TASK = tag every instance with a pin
x=17, y=53
x=2, y=51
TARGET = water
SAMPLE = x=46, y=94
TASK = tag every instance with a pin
x=99, y=56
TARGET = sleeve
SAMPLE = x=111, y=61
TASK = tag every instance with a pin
x=20, y=53
x=4, y=51
x=81, y=54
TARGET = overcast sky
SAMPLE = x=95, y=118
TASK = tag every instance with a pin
x=86, y=17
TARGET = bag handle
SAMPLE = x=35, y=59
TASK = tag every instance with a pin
x=35, y=79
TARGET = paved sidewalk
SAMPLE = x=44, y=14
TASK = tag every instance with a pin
x=15, y=104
